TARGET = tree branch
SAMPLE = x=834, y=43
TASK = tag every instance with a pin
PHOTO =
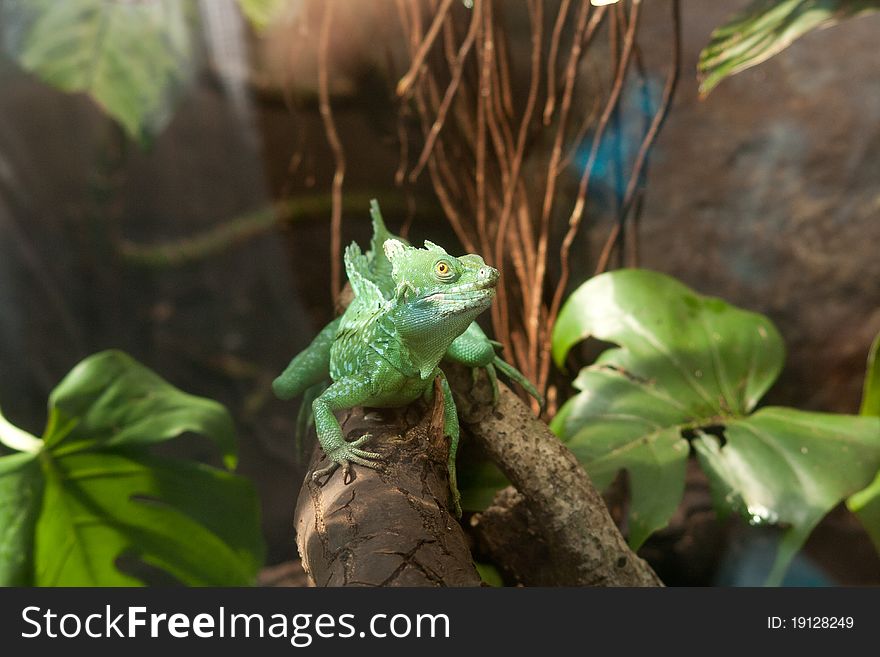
x=392, y=526
x=388, y=527
x=583, y=546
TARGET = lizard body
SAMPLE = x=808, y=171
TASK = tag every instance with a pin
x=385, y=352
x=472, y=348
x=411, y=308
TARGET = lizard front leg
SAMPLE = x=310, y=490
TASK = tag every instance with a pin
x=345, y=393
x=473, y=349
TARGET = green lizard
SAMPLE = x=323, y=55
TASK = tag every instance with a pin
x=472, y=348
x=411, y=308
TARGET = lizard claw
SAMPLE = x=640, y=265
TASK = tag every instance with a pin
x=346, y=454
x=329, y=470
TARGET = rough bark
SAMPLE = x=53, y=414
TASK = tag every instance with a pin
x=581, y=545
x=390, y=526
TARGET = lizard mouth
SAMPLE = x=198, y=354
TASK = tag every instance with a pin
x=462, y=298
x=465, y=292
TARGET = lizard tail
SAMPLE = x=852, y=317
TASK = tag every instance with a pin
x=309, y=367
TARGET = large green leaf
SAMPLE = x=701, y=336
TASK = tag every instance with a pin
x=132, y=58
x=688, y=371
x=111, y=400
x=196, y=523
x=765, y=28
x=93, y=494
x=787, y=467
x=709, y=357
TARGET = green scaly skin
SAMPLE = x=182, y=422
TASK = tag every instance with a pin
x=472, y=348
x=385, y=352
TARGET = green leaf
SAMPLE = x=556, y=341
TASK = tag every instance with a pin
x=110, y=399
x=262, y=13
x=690, y=369
x=871, y=390
x=132, y=58
x=196, y=523
x=93, y=494
x=20, y=492
x=866, y=505
x=787, y=467
x=707, y=356
x=765, y=28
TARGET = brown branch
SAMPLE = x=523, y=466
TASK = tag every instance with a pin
x=583, y=545
x=577, y=212
x=448, y=97
x=336, y=147
x=582, y=31
x=636, y=181
x=605, y=252
x=387, y=527
x=634, y=258
x=503, y=61
x=403, y=151
x=439, y=170
x=406, y=82
x=524, y=221
x=551, y=61
x=501, y=318
x=502, y=92
x=480, y=146
x=391, y=526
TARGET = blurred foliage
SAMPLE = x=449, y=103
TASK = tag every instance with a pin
x=262, y=13
x=765, y=28
x=89, y=492
x=687, y=374
x=132, y=58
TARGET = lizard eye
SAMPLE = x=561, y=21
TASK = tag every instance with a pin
x=443, y=270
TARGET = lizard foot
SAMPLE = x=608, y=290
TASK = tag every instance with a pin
x=346, y=454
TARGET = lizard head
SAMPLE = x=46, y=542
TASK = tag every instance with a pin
x=440, y=290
